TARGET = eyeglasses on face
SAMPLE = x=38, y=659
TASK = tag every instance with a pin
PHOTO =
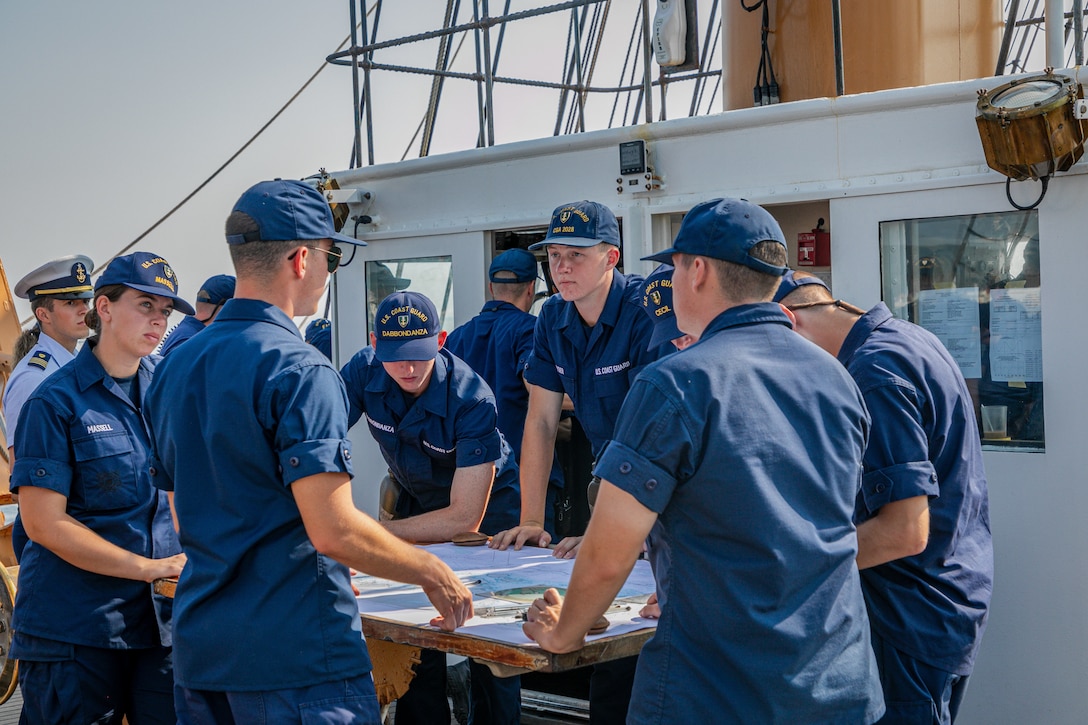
x=332, y=255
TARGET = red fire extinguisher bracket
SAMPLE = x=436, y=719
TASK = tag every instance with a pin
x=814, y=248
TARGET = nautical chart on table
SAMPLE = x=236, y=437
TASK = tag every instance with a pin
x=503, y=584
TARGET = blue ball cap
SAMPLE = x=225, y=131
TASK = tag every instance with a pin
x=726, y=229
x=380, y=277
x=657, y=303
x=67, y=278
x=315, y=327
x=216, y=290
x=581, y=224
x=145, y=272
x=287, y=211
x=789, y=283
x=518, y=261
x=406, y=327
x=319, y=334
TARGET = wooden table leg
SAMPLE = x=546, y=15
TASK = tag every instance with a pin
x=393, y=665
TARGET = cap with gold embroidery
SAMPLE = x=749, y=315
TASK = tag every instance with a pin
x=67, y=278
x=146, y=272
x=657, y=303
x=581, y=224
x=406, y=327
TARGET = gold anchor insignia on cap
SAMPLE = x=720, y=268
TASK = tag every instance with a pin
x=564, y=216
x=403, y=320
x=80, y=272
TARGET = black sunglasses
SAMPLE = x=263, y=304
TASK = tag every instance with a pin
x=332, y=258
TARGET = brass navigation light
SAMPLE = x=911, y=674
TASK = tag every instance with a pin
x=1029, y=129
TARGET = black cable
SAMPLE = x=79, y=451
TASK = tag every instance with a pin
x=1045, y=181
x=765, y=91
x=225, y=164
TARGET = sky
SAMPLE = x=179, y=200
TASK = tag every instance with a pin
x=112, y=112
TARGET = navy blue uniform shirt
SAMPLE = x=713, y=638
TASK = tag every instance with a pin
x=424, y=440
x=238, y=414
x=753, y=477
x=184, y=330
x=81, y=436
x=496, y=344
x=924, y=442
x=596, y=365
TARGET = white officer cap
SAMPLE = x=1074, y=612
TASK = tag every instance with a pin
x=67, y=278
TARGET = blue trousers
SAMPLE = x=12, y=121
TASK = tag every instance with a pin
x=610, y=686
x=338, y=702
x=99, y=686
x=914, y=692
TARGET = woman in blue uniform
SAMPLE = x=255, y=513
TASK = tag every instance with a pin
x=92, y=639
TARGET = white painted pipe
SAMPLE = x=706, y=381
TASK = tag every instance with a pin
x=1055, y=33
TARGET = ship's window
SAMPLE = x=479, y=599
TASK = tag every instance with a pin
x=427, y=275
x=974, y=282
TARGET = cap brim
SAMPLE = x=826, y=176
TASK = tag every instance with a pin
x=664, y=256
x=664, y=331
x=425, y=348
x=180, y=305
x=569, y=242
x=338, y=237
x=513, y=280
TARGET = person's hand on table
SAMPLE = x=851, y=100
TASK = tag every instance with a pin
x=541, y=621
x=528, y=534
x=452, y=599
x=568, y=547
x=652, y=610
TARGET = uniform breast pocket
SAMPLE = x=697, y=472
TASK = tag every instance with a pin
x=613, y=386
x=106, y=476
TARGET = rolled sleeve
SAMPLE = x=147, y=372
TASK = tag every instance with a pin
x=308, y=409
x=896, y=459
x=899, y=482
x=42, y=473
x=310, y=458
x=628, y=470
x=42, y=455
x=652, y=449
x=476, y=434
x=474, y=451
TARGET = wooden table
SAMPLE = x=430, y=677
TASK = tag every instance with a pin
x=511, y=658
x=504, y=658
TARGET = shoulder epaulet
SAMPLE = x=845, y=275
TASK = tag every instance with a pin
x=40, y=359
